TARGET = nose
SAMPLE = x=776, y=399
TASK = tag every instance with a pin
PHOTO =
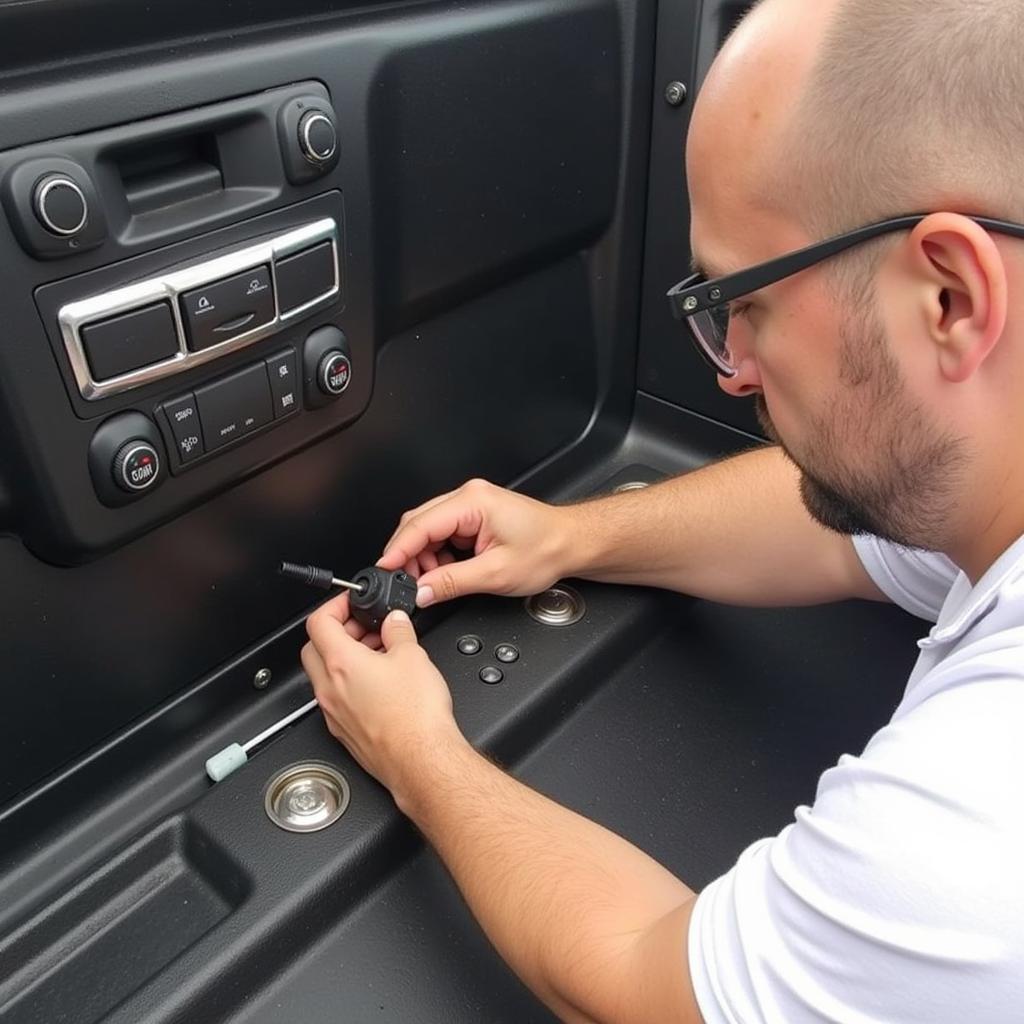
x=746, y=381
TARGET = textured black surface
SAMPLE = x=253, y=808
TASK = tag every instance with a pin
x=499, y=365
x=706, y=739
x=103, y=643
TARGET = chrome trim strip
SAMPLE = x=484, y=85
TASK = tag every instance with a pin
x=168, y=287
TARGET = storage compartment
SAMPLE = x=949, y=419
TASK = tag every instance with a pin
x=79, y=956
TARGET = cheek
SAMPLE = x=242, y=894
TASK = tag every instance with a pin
x=798, y=358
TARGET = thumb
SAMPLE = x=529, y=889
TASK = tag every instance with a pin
x=397, y=631
x=473, y=576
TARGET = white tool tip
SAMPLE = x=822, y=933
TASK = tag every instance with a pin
x=223, y=763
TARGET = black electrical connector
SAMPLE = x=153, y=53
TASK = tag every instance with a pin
x=374, y=592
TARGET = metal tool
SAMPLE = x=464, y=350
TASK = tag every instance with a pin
x=233, y=756
x=375, y=592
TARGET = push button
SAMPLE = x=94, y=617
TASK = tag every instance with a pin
x=469, y=644
x=334, y=373
x=60, y=205
x=129, y=341
x=224, y=309
x=136, y=466
x=284, y=384
x=306, y=276
x=183, y=416
x=235, y=406
x=506, y=653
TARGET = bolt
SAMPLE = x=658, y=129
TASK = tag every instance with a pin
x=690, y=304
x=262, y=679
x=675, y=94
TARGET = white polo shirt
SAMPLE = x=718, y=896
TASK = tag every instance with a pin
x=898, y=897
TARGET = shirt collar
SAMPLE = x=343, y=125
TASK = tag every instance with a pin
x=965, y=605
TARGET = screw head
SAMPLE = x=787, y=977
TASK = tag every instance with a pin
x=690, y=304
x=262, y=679
x=675, y=94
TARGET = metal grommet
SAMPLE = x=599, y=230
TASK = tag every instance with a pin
x=562, y=605
x=306, y=797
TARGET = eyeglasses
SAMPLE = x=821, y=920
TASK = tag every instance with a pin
x=704, y=304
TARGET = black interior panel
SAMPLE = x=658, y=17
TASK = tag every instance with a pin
x=669, y=366
x=162, y=611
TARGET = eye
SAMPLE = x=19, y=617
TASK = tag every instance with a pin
x=739, y=309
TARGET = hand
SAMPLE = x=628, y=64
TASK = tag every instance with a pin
x=391, y=707
x=520, y=546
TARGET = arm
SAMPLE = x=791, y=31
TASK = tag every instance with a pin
x=736, y=532
x=595, y=927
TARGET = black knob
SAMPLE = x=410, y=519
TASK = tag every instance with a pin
x=380, y=593
x=334, y=373
x=136, y=466
x=318, y=139
x=60, y=205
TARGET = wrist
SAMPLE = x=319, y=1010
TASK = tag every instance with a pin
x=581, y=540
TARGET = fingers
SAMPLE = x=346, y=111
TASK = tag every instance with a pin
x=331, y=637
x=457, y=518
x=338, y=609
x=312, y=664
x=398, y=631
x=484, y=574
x=314, y=667
x=419, y=509
x=372, y=640
x=434, y=526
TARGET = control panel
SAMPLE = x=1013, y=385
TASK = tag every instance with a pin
x=180, y=371
x=186, y=306
x=170, y=322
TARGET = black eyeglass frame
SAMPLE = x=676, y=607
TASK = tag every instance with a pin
x=695, y=294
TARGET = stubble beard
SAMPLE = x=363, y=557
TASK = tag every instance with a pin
x=874, y=464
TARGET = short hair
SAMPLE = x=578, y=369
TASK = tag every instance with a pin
x=911, y=106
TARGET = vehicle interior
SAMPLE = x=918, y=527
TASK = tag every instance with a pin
x=403, y=243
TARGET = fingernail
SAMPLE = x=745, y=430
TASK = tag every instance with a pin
x=399, y=616
x=425, y=596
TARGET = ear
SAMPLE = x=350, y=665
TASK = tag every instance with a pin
x=963, y=288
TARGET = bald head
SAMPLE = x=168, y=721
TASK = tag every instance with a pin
x=838, y=112
x=748, y=97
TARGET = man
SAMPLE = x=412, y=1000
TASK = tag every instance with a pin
x=893, y=374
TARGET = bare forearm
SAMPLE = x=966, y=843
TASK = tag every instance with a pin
x=735, y=532
x=562, y=899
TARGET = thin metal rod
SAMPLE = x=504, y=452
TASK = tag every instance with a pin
x=278, y=726
x=358, y=587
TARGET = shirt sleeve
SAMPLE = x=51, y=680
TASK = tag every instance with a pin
x=895, y=897
x=918, y=581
